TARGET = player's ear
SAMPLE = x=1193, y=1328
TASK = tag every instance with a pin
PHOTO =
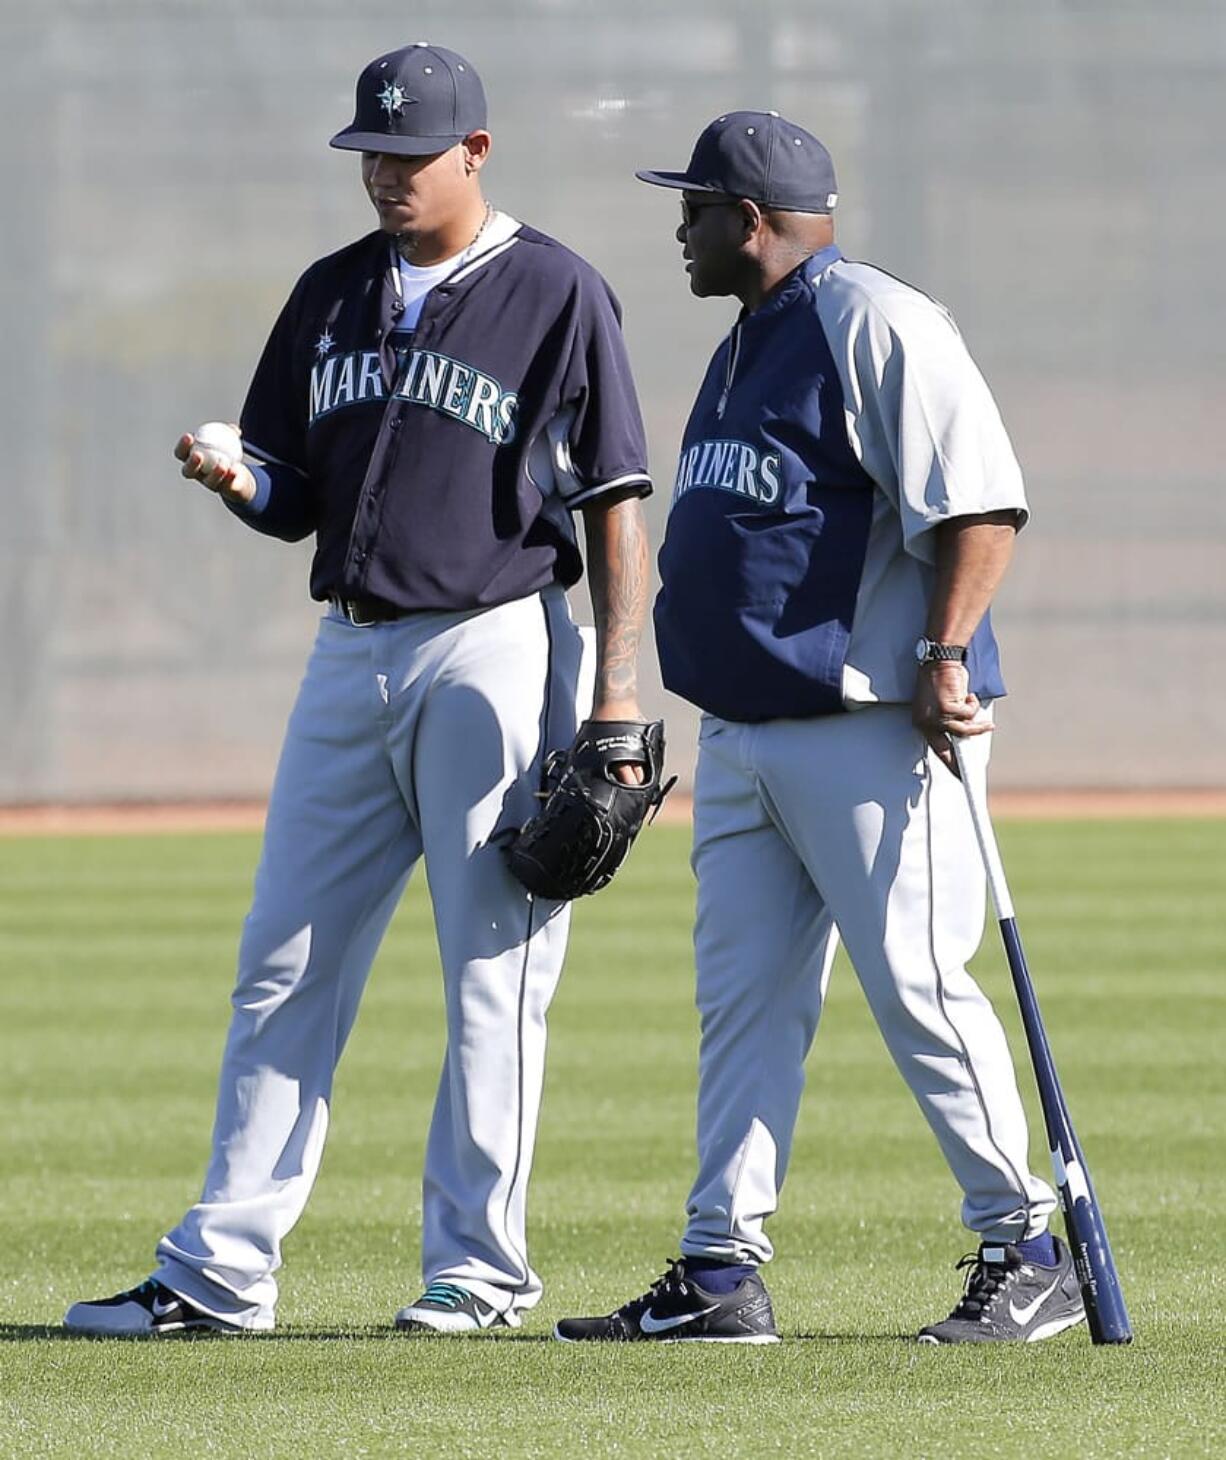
x=751, y=218
x=474, y=149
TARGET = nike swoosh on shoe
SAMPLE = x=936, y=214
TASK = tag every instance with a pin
x=1027, y=1310
x=649, y=1323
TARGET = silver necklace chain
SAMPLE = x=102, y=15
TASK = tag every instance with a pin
x=486, y=220
x=485, y=223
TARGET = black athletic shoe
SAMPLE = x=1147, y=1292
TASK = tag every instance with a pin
x=676, y=1310
x=148, y=1311
x=1007, y=1298
x=449, y=1308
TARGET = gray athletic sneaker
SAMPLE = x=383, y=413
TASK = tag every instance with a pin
x=448, y=1308
x=1008, y=1298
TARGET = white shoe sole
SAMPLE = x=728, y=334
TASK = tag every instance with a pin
x=451, y=1325
x=1057, y=1325
x=441, y=1330
x=169, y=1330
x=757, y=1338
x=1036, y=1334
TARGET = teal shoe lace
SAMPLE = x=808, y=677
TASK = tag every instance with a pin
x=446, y=1295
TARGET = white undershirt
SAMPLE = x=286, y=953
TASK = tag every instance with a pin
x=416, y=281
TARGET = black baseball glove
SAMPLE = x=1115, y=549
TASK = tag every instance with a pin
x=582, y=833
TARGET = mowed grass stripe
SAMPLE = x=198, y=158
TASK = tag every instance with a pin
x=117, y=957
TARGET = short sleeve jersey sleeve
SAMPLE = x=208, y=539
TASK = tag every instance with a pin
x=920, y=415
x=274, y=416
x=599, y=445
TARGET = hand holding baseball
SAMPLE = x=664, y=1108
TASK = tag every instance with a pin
x=213, y=456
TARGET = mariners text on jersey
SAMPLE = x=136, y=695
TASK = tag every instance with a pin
x=344, y=380
x=730, y=466
x=427, y=379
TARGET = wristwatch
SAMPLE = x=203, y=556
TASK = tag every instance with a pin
x=928, y=651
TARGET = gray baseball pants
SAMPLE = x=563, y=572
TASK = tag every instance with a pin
x=806, y=831
x=423, y=736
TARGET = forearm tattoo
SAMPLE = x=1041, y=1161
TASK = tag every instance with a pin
x=618, y=574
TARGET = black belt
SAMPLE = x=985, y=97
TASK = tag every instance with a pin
x=362, y=612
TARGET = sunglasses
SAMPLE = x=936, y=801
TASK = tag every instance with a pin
x=688, y=209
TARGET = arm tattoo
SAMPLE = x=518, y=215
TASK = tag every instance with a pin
x=618, y=575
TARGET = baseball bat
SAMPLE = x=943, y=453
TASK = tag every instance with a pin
x=1097, y=1274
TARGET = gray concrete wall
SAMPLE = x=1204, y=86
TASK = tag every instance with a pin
x=1053, y=171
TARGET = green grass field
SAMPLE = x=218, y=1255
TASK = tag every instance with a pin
x=117, y=955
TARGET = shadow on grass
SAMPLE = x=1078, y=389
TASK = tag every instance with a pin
x=37, y=1332
x=54, y=1333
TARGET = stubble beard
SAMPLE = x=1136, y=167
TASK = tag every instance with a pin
x=407, y=244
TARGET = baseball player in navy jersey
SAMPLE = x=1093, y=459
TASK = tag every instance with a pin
x=435, y=403
x=845, y=506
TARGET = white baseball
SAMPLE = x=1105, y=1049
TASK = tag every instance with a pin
x=220, y=439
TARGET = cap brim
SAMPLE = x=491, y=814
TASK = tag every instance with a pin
x=676, y=180
x=352, y=141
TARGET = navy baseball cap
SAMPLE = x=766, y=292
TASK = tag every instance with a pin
x=761, y=156
x=415, y=101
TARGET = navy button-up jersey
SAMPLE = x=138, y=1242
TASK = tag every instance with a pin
x=439, y=470
x=837, y=425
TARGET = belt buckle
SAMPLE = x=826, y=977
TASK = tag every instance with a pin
x=347, y=607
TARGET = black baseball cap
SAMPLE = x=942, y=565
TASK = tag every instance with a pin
x=761, y=156
x=415, y=101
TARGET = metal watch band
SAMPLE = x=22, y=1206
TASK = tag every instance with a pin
x=942, y=653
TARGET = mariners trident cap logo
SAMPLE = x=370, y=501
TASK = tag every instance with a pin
x=415, y=101
x=761, y=156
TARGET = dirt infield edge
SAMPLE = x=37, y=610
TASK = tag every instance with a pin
x=140, y=817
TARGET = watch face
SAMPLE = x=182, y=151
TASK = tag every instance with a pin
x=928, y=651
